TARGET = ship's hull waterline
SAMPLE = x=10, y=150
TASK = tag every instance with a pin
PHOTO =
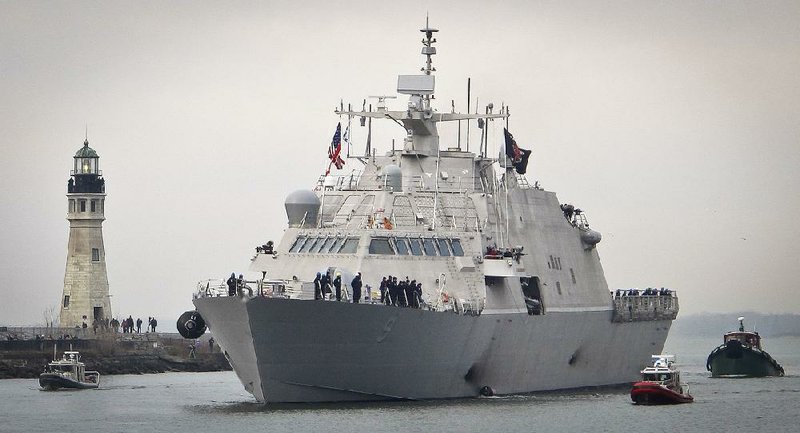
x=287, y=350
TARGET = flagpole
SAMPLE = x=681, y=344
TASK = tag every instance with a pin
x=349, y=118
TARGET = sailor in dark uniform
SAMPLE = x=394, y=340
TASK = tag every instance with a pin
x=356, y=285
x=232, y=285
x=318, y=286
x=337, y=286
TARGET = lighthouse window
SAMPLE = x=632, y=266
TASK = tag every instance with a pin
x=416, y=247
x=349, y=247
x=66, y=301
x=94, y=205
x=72, y=205
x=83, y=205
x=430, y=248
x=456, y=244
x=401, y=246
x=380, y=246
x=95, y=255
x=298, y=243
x=443, y=248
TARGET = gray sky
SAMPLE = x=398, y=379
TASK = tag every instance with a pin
x=674, y=125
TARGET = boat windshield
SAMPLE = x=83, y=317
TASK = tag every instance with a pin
x=656, y=377
x=60, y=368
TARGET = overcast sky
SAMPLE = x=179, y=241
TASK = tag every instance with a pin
x=674, y=125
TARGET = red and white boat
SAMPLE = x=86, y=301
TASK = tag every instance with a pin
x=661, y=384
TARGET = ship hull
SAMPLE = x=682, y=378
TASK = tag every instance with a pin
x=735, y=360
x=319, y=351
x=53, y=381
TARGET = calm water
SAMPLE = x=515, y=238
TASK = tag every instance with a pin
x=209, y=402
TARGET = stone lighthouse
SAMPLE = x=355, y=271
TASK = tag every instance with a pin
x=86, y=295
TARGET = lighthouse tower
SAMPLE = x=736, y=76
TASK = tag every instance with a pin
x=86, y=295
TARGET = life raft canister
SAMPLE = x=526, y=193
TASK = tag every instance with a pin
x=191, y=324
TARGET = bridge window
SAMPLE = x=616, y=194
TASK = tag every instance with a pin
x=428, y=245
x=380, y=246
x=401, y=246
x=309, y=244
x=416, y=247
x=337, y=245
x=456, y=244
x=318, y=246
x=349, y=246
x=444, y=249
x=325, y=247
x=298, y=243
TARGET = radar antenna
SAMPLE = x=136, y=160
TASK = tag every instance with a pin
x=428, y=49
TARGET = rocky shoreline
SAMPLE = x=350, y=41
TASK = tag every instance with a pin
x=115, y=354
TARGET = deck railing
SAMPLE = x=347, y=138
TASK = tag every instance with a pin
x=645, y=307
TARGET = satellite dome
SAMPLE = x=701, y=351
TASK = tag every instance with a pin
x=302, y=206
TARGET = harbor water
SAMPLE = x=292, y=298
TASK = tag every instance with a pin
x=193, y=402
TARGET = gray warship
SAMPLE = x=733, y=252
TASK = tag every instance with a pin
x=513, y=297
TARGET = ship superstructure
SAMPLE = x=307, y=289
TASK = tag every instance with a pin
x=513, y=297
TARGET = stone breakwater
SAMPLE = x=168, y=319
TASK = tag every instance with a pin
x=113, y=354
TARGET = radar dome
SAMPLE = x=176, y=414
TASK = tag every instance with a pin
x=302, y=206
x=393, y=178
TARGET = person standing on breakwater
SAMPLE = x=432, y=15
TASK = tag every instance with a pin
x=138, y=325
x=153, y=323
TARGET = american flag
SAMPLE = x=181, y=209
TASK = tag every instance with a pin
x=335, y=150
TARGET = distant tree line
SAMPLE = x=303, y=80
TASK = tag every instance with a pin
x=716, y=324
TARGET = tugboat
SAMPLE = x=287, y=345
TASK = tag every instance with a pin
x=661, y=384
x=741, y=355
x=68, y=372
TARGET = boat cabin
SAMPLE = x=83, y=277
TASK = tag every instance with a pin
x=661, y=372
x=70, y=366
x=749, y=339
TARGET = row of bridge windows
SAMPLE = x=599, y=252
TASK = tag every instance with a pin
x=395, y=245
x=324, y=245
x=404, y=246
